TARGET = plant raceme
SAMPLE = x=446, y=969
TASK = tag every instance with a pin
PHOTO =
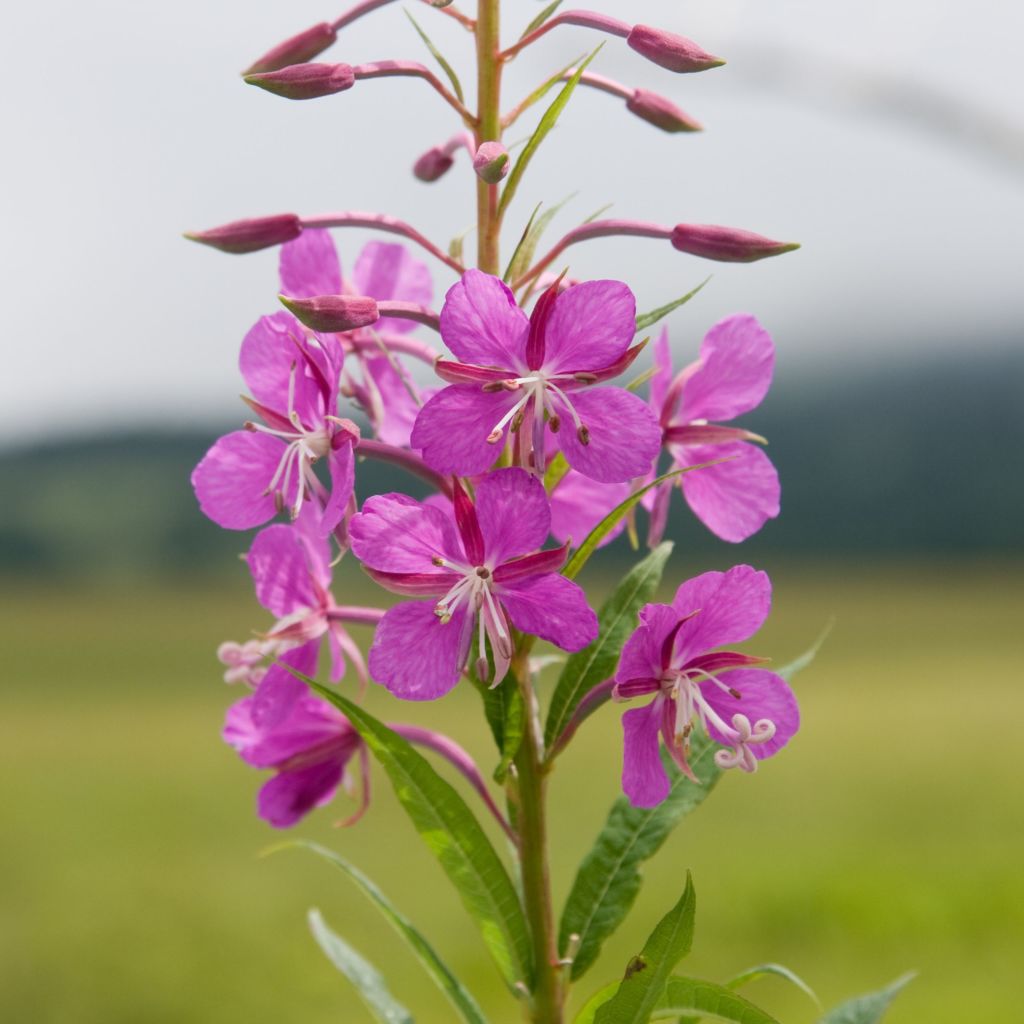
x=534, y=452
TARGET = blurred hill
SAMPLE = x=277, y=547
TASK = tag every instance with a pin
x=902, y=459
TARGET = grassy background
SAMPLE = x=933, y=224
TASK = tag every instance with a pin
x=889, y=836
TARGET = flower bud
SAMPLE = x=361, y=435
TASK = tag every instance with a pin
x=297, y=50
x=251, y=234
x=661, y=112
x=305, y=81
x=333, y=313
x=491, y=162
x=435, y=163
x=669, y=50
x=728, y=245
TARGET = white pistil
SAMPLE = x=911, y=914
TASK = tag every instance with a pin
x=474, y=588
x=541, y=391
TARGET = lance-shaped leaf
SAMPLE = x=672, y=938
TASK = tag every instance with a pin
x=532, y=233
x=644, y=320
x=441, y=974
x=616, y=620
x=608, y=879
x=686, y=995
x=442, y=63
x=541, y=18
x=547, y=122
x=799, y=664
x=776, y=971
x=647, y=974
x=366, y=979
x=867, y=1009
x=455, y=837
x=506, y=715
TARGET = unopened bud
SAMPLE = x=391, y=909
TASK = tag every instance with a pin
x=728, y=245
x=333, y=313
x=297, y=50
x=670, y=51
x=491, y=162
x=251, y=234
x=661, y=112
x=435, y=163
x=305, y=81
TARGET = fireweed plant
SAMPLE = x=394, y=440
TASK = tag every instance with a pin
x=538, y=452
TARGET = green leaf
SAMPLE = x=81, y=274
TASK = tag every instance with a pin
x=542, y=90
x=455, y=837
x=541, y=18
x=506, y=713
x=646, y=319
x=641, y=379
x=616, y=620
x=799, y=664
x=610, y=521
x=867, y=1009
x=682, y=995
x=647, y=974
x=368, y=981
x=608, y=879
x=535, y=228
x=547, y=122
x=556, y=471
x=594, y=1003
x=773, y=970
x=442, y=976
x=436, y=54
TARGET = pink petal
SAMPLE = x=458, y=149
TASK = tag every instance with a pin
x=590, y=326
x=736, y=363
x=551, y=607
x=481, y=323
x=641, y=654
x=309, y=265
x=732, y=608
x=386, y=270
x=309, y=529
x=733, y=499
x=341, y=464
x=578, y=504
x=398, y=406
x=644, y=780
x=662, y=371
x=764, y=695
x=274, y=698
x=395, y=533
x=268, y=355
x=512, y=509
x=232, y=479
x=416, y=655
x=624, y=435
x=451, y=429
x=310, y=724
x=291, y=795
x=279, y=563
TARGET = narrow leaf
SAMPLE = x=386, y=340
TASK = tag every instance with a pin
x=547, y=122
x=608, y=879
x=506, y=716
x=455, y=837
x=867, y=1009
x=641, y=379
x=799, y=664
x=543, y=89
x=541, y=18
x=589, y=1009
x=685, y=994
x=555, y=472
x=436, y=54
x=441, y=974
x=616, y=620
x=523, y=256
x=597, y=213
x=647, y=974
x=773, y=970
x=644, y=320
x=366, y=979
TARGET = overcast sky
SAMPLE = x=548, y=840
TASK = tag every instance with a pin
x=885, y=135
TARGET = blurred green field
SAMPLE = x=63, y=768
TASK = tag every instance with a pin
x=889, y=836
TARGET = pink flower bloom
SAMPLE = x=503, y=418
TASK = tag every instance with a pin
x=752, y=712
x=290, y=568
x=249, y=475
x=528, y=375
x=483, y=569
x=735, y=498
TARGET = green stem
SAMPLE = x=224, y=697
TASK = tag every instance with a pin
x=488, y=46
x=548, y=993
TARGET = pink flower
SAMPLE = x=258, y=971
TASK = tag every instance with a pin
x=735, y=498
x=752, y=712
x=249, y=475
x=483, y=569
x=529, y=375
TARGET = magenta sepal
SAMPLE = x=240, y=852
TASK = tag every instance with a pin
x=433, y=164
x=250, y=234
x=661, y=112
x=727, y=245
x=333, y=313
x=305, y=81
x=296, y=50
x=670, y=51
x=491, y=162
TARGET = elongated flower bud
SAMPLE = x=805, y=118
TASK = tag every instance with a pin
x=252, y=234
x=434, y=164
x=296, y=50
x=661, y=112
x=666, y=49
x=332, y=313
x=305, y=81
x=491, y=162
x=728, y=245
